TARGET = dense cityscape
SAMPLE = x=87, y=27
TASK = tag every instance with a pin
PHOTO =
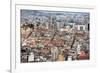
x=50, y=36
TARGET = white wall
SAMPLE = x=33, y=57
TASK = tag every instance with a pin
x=5, y=35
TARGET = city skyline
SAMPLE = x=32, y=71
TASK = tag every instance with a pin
x=48, y=36
x=60, y=15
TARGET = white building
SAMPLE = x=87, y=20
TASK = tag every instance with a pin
x=31, y=57
x=81, y=27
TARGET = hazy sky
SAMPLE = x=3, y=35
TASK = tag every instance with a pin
x=46, y=13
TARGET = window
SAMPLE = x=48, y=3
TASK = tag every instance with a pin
x=81, y=28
